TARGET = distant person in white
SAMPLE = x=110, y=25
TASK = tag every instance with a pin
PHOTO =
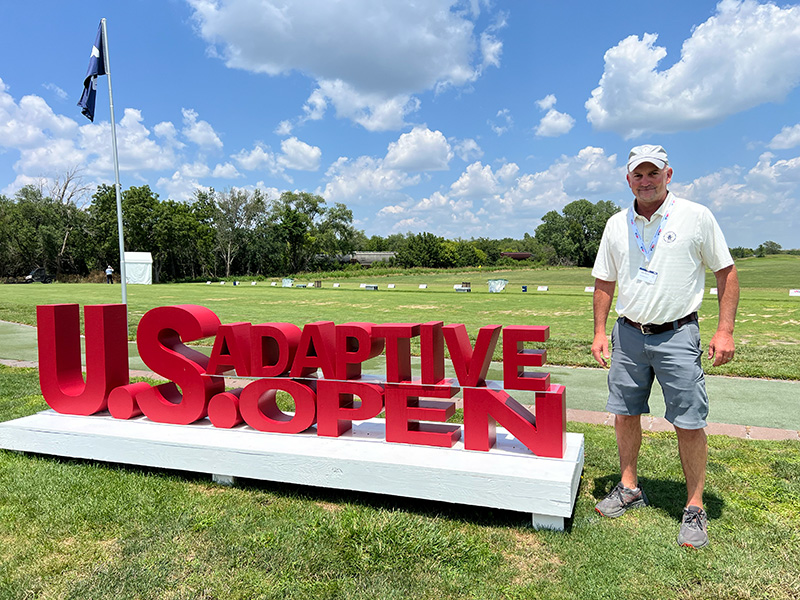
x=658, y=250
x=109, y=273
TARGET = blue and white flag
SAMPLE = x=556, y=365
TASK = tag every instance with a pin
x=97, y=67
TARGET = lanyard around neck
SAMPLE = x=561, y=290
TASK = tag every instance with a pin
x=648, y=250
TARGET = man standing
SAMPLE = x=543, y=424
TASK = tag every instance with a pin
x=109, y=274
x=658, y=251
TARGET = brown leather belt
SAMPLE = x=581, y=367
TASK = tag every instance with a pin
x=652, y=329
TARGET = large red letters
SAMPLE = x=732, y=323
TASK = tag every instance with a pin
x=318, y=366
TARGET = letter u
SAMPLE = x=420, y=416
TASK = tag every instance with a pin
x=60, y=375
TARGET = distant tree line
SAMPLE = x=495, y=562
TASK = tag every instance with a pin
x=240, y=232
x=766, y=249
x=220, y=233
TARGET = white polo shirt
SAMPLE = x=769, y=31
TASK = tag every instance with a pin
x=690, y=241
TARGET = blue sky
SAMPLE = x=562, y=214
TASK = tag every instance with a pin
x=463, y=118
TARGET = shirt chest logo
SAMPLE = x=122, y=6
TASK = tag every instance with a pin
x=670, y=236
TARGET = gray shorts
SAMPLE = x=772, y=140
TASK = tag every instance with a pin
x=674, y=358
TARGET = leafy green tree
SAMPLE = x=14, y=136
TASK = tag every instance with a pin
x=179, y=236
x=741, y=252
x=360, y=240
x=7, y=253
x=491, y=248
x=181, y=241
x=140, y=215
x=337, y=236
x=425, y=250
x=237, y=213
x=39, y=231
x=204, y=241
x=264, y=252
x=465, y=254
x=376, y=243
x=768, y=247
x=575, y=235
x=391, y=243
x=141, y=222
x=294, y=215
x=104, y=244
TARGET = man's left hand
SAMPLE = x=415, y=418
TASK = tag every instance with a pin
x=721, y=348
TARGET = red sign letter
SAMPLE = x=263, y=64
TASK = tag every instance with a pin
x=354, y=345
x=398, y=348
x=544, y=435
x=231, y=350
x=260, y=409
x=272, y=347
x=471, y=366
x=159, y=339
x=336, y=408
x=516, y=358
x=60, y=375
x=404, y=409
x=431, y=344
x=316, y=350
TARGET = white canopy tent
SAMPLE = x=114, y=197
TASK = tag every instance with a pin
x=139, y=267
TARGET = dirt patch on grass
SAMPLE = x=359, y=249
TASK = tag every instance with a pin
x=419, y=306
x=534, y=313
x=530, y=558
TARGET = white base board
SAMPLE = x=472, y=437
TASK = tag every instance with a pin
x=507, y=477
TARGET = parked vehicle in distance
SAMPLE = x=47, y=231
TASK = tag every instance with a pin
x=38, y=275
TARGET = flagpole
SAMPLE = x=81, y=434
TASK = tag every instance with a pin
x=116, y=166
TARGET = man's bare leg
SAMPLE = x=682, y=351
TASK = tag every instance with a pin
x=629, y=441
x=693, y=449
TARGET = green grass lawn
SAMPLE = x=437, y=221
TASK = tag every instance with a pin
x=767, y=331
x=80, y=529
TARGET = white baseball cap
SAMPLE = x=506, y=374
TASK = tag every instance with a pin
x=647, y=153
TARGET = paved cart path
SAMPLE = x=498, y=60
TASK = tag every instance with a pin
x=741, y=407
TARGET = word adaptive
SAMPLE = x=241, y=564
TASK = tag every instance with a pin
x=319, y=366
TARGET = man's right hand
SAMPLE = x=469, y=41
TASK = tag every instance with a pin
x=600, y=349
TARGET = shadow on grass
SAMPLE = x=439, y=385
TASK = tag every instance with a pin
x=667, y=495
x=476, y=515
x=463, y=513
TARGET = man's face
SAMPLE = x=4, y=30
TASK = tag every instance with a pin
x=649, y=183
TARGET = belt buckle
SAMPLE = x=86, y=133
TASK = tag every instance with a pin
x=646, y=328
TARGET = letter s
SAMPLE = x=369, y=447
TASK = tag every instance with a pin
x=159, y=338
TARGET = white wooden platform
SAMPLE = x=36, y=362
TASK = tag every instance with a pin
x=508, y=477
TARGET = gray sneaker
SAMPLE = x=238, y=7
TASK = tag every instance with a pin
x=621, y=499
x=694, y=528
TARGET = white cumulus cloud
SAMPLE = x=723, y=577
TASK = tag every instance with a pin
x=368, y=58
x=554, y=123
x=789, y=137
x=467, y=150
x=259, y=158
x=744, y=200
x=364, y=180
x=199, y=132
x=746, y=54
x=419, y=150
x=226, y=171
x=299, y=156
x=502, y=121
x=137, y=148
